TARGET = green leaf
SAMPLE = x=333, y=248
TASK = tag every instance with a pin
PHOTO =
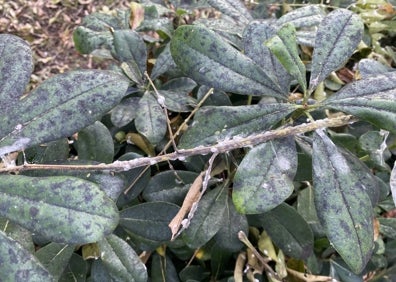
x=370, y=67
x=284, y=47
x=287, y=229
x=254, y=35
x=372, y=99
x=18, y=233
x=163, y=63
x=61, y=208
x=16, y=66
x=169, y=186
x=337, y=37
x=207, y=219
x=176, y=93
x=149, y=220
x=232, y=8
x=207, y=59
x=95, y=143
x=163, y=269
x=264, y=178
x=17, y=264
x=55, y=258
x=59, y=107
x=121, y=261
x=210, y=126
x=375, y=144
x=388, y=227
x=306, y=16
x=125, y=111
x=340, y=271
x=76, y=270
x=342, y=204
x=150, y=118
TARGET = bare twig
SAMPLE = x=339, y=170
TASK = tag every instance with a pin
x=221, y=147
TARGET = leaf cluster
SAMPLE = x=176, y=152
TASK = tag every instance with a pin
x=307, y=202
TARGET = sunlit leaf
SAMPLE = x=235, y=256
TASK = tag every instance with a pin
x=337, y=37
x=207, y=59
x=264, y=178
x=342, y=204
x=83, y=212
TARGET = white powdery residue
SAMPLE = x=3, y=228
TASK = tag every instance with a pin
x=161, y=100
x=283, y=163
x=18, y=145
x=340, y=163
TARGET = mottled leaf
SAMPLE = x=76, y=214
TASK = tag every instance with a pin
x=254, y=36
x=264, y=178
x=95, y=143
x=372, y=99
x=125, y=111
x=150, y=119
x=83, y=212
x=55, y=257
x=370, y=67
x=375, y=144
x=177, y=94
x=121, y=261
x=208, y=218
x=306, y=16
x=337, y=37
x=163, y=63
x=207, y=59
x=16, y=66
x=232, y=8
x=283, y=45
x=149, y=220
x=342, y=204
x=17, y=264
x=59, y=107
x=210, y=125
x=287, y=229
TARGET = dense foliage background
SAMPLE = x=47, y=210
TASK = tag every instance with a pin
x=213, y=140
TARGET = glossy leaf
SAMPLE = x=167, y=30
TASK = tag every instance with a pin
x=95, y=143
x=337, y=37
x=149, y=220
x=121, y=261
x=255, y=34
x=207, y=219
x=83, y=212
x=16, y=66
x=207, y=59
x=342, y=203
x=210, y=126
x=372, y=99
x=306, y=16
x=264, y=178
x=150, y=119
x=283, y=45
x=287, y=229
x=169, y=186
x=62, y=105
x=17, y=264
x=55, y=258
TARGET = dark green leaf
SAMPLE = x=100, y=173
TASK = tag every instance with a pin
x=337, y=37
x=83, y=212
x=125, y=111
x=216, y=97
x=283, y=45
x=75, y=271
x=95, y=143
x=162, y=269
x=372, y=99
x=121, y=261
x=17, y=264
x=342, y=203
x=306, y=16
x=98, y=272
x=45, y=153
x=210, y=61
x=264, y=178
x=208, y=218
x=375, y=144
x=287, y=229
x=63, y=105
x=370, y=67
x=176, y=93
x=149, y=220
x=306, y=208
x=388, y=227
x=163, y=63
x=169, y=186
x=16, y=66
x=55, y=257
x=254, y=36
x=18, y=233
x=150, y=119
x=210, y=126
x=339, y=271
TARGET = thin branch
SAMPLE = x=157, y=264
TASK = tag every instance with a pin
x=181, y=154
